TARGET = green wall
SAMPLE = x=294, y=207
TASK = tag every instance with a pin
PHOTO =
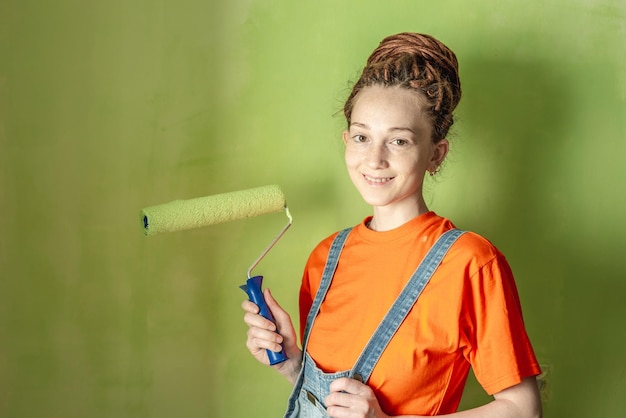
x=110, y=106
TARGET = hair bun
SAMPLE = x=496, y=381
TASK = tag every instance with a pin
x=420, y=62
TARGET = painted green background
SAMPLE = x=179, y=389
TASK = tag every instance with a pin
x=110, y=106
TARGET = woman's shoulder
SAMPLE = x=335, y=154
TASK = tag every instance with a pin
x=479, y=259
x=475, y=243
x=324, y=245
x=321, y=250
x=471, y=245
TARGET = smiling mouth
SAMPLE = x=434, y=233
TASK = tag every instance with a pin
x=377, y=180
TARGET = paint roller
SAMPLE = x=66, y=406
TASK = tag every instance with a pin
x=198, y=212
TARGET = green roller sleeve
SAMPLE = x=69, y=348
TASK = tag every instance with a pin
x=179, y=215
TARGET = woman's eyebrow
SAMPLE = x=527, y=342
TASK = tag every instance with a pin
x=359, y=125
x=401, y=129
x=393, y=129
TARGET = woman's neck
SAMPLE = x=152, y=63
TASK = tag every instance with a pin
x=386, y=218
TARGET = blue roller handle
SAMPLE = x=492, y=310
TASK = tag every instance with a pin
x=255, y=294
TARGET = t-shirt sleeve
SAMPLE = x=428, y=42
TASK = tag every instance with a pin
x=499, y=349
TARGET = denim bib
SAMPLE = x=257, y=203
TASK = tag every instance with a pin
x=313, y=385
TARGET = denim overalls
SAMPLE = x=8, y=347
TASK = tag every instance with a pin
x=312, y=385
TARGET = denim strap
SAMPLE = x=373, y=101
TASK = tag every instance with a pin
x=366, y=362
x=327, y=276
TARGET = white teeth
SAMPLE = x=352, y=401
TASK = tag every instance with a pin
x=377, y=179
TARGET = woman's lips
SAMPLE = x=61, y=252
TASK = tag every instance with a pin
x=377, y=180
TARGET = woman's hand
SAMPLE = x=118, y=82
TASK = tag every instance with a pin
x=350, y=398
x=265, y=335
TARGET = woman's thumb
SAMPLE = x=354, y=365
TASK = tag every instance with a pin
x=277, y=311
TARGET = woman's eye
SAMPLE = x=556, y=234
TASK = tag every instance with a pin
x=400, y=142
x=359, y=138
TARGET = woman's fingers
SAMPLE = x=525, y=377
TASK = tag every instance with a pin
x=248, y=306
x=256, y=320
x=259, y=339
x=262, y=333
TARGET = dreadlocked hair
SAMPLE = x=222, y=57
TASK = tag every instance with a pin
x=418, y=62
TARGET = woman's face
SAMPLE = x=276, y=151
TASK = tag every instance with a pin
x=389, y=148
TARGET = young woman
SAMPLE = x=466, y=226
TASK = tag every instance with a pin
x=381, y=337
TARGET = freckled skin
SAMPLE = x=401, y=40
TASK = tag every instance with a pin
x=389, y=149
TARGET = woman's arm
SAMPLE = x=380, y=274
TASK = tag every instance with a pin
x=264, y=335
x=519, y=401
x=350, y=398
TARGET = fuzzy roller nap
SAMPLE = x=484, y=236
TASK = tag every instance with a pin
x=204, y=211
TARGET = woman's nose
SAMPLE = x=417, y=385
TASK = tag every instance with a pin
x=376, y=156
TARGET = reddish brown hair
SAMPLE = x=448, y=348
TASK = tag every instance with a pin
x=418, y=62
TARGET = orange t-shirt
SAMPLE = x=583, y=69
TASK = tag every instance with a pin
x=468, y=314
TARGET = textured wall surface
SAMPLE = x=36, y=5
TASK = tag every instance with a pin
x=108, y=107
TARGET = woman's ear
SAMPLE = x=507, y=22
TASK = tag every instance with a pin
x=346, y=136
x=440, y=149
